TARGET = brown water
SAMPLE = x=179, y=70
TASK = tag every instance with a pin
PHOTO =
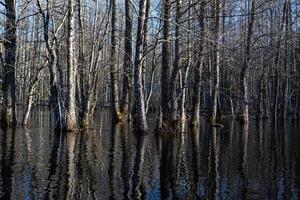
x=260, y=161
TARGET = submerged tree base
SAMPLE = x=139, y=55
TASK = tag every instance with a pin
x=7, y=122
x=167, y=126
x=84, y=124
x=243, y=119
x=141, y=132
x=118, y=117
x=195, y=123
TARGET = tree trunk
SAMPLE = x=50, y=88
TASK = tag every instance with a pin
x=259, y=98
x=140, y=117
x=8, y=113
x=71, y=118
x=81, y=62
x=215, y=115
x=184, y=72
x=287, y=59
x=55, y=97
x=198, y=71
x=145, y=46
x=116, y=114
x=127, y=65
x=243, y=75
x=176, y=65
x=165, y=73
x=28, y=109
x=32, y=88
x=150, y=91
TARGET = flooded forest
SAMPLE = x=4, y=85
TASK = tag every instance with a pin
x=149, y=99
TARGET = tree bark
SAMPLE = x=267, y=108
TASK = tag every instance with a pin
x=243, y=76
x=8, y=113
x=215, y=115
x=287, y=61
x=150, y=91
x=32, y=89
x=176, y=65
x=71, y=118
x=51, y=46
x=165, y=72
x=198, y=71
x=184, y=72
x=140, y=117
x=145, y=47
x=116, y=114
x=127, y=65
x=81, y=62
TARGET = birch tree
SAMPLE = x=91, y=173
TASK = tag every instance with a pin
x=140, y=116
x=113, y=66
x=71, y=117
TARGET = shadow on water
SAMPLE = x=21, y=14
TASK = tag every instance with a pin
x=257, y=161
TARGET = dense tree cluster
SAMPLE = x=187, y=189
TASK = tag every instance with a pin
x=179, y=58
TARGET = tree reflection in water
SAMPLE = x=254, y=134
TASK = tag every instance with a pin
x=257, y=161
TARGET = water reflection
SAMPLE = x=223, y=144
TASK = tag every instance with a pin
x=257, y=161
x=7, y=141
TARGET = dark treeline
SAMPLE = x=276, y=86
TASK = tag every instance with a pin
x=180, y=59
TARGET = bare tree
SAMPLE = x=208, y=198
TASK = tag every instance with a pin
x=215, y=115
x=243, y=75
x=127, y=65
x=177, y=63
x=165, y=68
x=140, y=116
x=113, y=65
x=71, y=117
x=32, y=89
x=198, y=71
x=198, y=58
x=8, y=113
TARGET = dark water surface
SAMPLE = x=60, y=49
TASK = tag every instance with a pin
x=237, y=162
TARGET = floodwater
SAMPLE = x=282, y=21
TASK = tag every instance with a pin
x=258, y=161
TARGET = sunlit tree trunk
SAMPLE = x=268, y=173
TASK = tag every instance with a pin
x=140, y=115
x=145, y=47
x=8, y=113
x=150, y=90
x=184, y=73
x=29, y=102
x=32, y=69
x=113, y=64
x=52, y=51
x=71, y=118
x=90, y=68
